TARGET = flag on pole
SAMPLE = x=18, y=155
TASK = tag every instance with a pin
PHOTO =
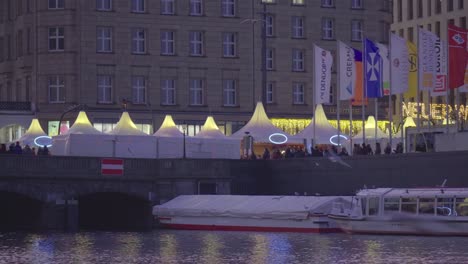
x=373, y=70
x=413, y=71
x=322, y=75
x=427, y=59
x=400, y=64
x=440, y=85
x=358, y=81
x=385, y=55
x=458, y=55
x=347, y=71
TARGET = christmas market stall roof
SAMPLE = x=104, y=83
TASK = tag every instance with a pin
x=210, y=142
x=370, y=128
x=324, y=131
x=34, y=131
x=126, y=127
x=259, y=127
x=169, y=140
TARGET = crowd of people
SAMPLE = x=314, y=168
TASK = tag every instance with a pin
x=26, y=150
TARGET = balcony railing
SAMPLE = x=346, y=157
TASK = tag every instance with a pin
x=15, y=106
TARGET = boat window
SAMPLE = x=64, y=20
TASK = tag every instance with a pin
x=391, y=205
x=408, y=205
x=426, y=205
x=364, y=205
x=373, y=206
x=444, y=206
x=461, y=206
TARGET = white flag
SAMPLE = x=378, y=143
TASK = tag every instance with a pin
x=399, y=64
x=347, y=69
x=322, y=75
x=384, y=54
x=426, y=59
x=440, y=86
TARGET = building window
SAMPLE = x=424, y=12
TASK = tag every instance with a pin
x=437, y=28
x=429, y=8
x=327, y=28
x=138, y=89
x=356, y=4
x=104, y=83
x=230, y=93
x=429, y=27
x=356, y=30
x=56, y=89
x=28, y=41
x=104, y=5
x=270, y=88
x=167, y=7
x=401, y=32
x=328, y=3
x=138, y=41
x=228, y=8
x=462, y=22
x=196, y=43
x=460, y=4
x=104, y=39
x=298, y=27
x=269, y=24
x=410, y=9
x=449, y=5
x=19, y=44
x=138, y=6
x=19, y=7
x=19, y=89
x=298, y=2
x=400, y=10
x=438, y=6
x=268, y=1
x=167, y=42
x=420, y=8
x=298, y=93
x=196, y=7
x=196, y=91
x=56, y=4
x=270, y=59
x=56, y=39
x=384, y=33
x=229, y=44
x=168, y=92
x=298, y=60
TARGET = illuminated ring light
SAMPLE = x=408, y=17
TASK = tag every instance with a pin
x=47, y=139
x=335, y=136
x=278, y=142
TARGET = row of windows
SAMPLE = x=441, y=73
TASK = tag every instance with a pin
x=412, y=31
x=428, y=4
x=168, y=87
x=20, y=92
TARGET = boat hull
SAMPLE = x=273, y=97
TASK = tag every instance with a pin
x=319, y=224
x=414, y=226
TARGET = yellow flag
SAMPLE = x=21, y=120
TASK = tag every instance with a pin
x=413, y=71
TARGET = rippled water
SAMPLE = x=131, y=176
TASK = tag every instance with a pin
x=165, y=246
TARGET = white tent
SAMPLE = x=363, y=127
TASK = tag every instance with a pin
x=34, y=131
x=210, y=142
x=169, y=140
x=370, y=129
x=130, y=142
x=260, y=127
x=82, y=139
x=324, y=131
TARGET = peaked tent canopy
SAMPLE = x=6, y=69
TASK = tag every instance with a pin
x=409, y=122
x=370, y=131
x=168, y=129
x=82, y=126
x=259, y=126
x=210, y=130
x=126, y=127
x=35, y=130
x=323, y=129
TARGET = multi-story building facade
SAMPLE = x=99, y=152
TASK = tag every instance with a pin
x=188, y=58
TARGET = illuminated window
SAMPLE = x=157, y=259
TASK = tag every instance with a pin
x=298, y=2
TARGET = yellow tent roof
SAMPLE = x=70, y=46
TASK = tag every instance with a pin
x=210, y=129
x=409, y=122
x=323, y=129
x=35, y=130
x=370, y=131
x=125, y=126
x=82, y=125
x=168, y=128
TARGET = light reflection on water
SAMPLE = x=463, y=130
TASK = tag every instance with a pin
x=166, y=246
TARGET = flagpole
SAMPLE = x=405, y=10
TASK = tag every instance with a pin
x=376, y=105
x=351, y=126
x=364, y=88
x=418, y=106
x=338, y=92
x=313, y=103
x=390, y=110
x=403, y=136
x=447, y=50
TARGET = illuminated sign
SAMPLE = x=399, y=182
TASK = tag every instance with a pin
x=335, y=137
x=437, y=111
x=43, y=141
x=278, y=138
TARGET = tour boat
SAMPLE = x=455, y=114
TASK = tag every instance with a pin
x=249, y=213
x=405, y=211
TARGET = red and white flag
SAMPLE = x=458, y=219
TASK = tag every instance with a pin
x=458, y=55
x=112, y=166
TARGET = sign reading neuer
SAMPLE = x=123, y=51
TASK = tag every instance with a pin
x=112, y=166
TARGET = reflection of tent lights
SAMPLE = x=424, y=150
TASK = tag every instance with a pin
x=278, y=142
x=38, y=139
x=335, y=136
